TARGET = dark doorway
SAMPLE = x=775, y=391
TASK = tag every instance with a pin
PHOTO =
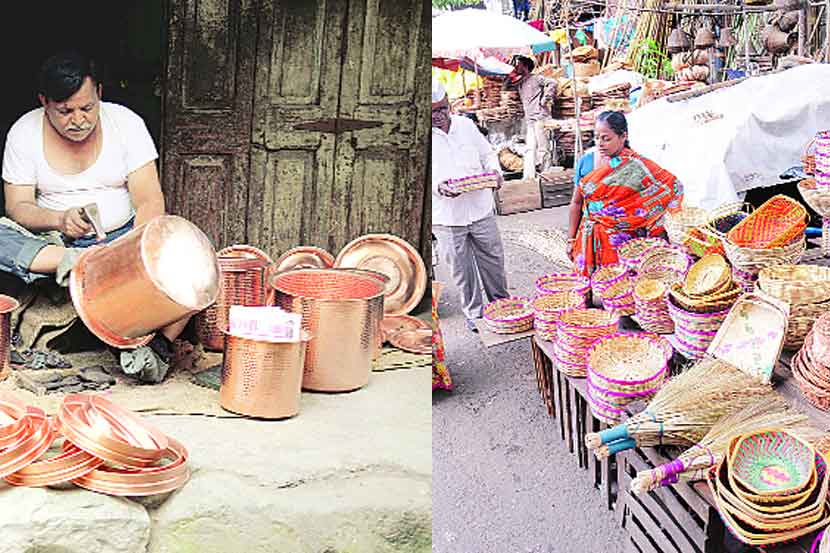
x=127, y=38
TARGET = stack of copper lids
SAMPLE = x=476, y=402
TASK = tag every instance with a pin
x=105, y=448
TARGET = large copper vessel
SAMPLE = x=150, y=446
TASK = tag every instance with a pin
x=152, y=276
x=339, y=309
x=262, y=378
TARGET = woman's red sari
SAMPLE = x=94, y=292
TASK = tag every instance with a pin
x=620, y=203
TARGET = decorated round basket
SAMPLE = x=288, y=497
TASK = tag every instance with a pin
x=509, y=316
x=631, y=251
x=710, y=304
x=679, y=224
x=652, y=310
x=749, y=261
x=619, y=298
x=672, y=257
x=627, y=364
x=815, y=394
x=550, y=307
x=772, y=463
x=777, y=222
x=606, y=276
x=562, y=282
x=578, y=331
x=663, y=274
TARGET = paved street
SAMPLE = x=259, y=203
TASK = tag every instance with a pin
x=503, y=482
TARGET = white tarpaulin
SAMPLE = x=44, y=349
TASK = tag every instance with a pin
x=736, y=138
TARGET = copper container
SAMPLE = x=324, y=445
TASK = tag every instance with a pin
x=156, y=274
x=7, y=305
x=338, y=309
x=261, y=378
x=241, y=283
x=377, y=308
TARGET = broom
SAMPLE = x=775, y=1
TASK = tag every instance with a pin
x=693, y=463
x=684, y=409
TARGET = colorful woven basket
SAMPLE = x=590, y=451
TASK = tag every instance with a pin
x=772, y=463
x=671, y=257
x=473, y=182
x=549, y=308
x=606, y=276
x=509, y=315
x=563, y=282
x=778, y=222
x=679, y=223
x=631, y=251
x=619, y=298
x=578, y=330
x=652, y=310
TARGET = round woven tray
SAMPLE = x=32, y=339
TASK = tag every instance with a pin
x=562, y=282
x=672, y=257
x=708, y=275
x=550, y=307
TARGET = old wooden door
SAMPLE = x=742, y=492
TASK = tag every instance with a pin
x=340, y=89
x=207, y=114
x=295, y=122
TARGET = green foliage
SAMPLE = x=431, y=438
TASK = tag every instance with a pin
x=449, y=4
x=651, y=61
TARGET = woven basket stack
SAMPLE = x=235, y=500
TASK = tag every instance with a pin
x=772, y=235
x=770, y=487
x=679, y=224
x=578, y=330
x=666, y=256
x=619, y=298
x=700, y=304
x=511, y=102
x=509, y=315
x=631, y=252
x=805, y=288
x=616, y=92
x=811, y=365
x=491, y=93
x=549, y=308
x=651, y=306
x=473, y=182
x=623, y=368
x=710, y=237
x=563, y=282
x=607, y=276
x=566, y=105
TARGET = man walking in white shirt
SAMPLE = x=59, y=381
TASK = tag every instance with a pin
x=465, y=224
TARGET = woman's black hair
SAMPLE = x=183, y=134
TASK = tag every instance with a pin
x=616, y=121
x=62, y=75
x=526, y=61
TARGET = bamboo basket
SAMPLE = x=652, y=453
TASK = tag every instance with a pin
x=577, y=332
x=631, y=251
x=670, y=257
x=619, y=298
x=549, y=308
x=509, y=316
x=778, y=222
x=796, y=284
x=563, y=282
x=679, y=223
x=808, y=157
x=748, y=262
x=605, y=277
x=652, y=310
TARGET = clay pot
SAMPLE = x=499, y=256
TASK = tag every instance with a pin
x=678, y=41
x=775, y=40
x=704, y=38
x=788, y=21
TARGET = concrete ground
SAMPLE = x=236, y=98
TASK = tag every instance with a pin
x=503, y=480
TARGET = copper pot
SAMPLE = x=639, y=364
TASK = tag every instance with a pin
x=377, y=307
x=261, y=378
x=241, y=283
x=339, y=309
x=156, y=274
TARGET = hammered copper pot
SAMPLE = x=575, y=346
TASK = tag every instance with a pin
x=339, y=309
x=262, y=378
x=377, y=308
x=156, y=274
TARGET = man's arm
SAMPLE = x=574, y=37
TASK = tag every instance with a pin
x=22, y=208
x=145, y=193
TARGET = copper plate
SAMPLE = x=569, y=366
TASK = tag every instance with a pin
x=304, y=257
x=395, y=258
x=396, y=323
x=418, y=340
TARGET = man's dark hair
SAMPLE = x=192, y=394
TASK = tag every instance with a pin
x=62, y=75
x=526, y=61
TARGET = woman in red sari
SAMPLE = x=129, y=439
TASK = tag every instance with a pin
x=618, y=195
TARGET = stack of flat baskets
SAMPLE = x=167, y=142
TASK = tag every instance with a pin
x=549, y=308
x=811, y=365
x=619, y=298
x=772, y=235
x=806, y=288
x=701, y=303
x=631, y=252
x=509, y=315
x=577, y=332
x=623, y=368
x=607, y=276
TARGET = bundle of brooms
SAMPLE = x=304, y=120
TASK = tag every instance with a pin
x=684, y=409
x=695, y=462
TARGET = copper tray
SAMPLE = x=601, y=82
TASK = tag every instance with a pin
x=395, y=258
x=391, y=325
x=304, y=257
x=418, y=340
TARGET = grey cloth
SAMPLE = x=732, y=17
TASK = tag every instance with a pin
x=145, y=364
x=476, y=257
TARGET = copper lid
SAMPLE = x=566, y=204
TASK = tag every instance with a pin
x=304, y=257
x=395, y=258
x=393, y=324
x=418, y=340
x=63, y=468
x=33, y=444
x=181, y=261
